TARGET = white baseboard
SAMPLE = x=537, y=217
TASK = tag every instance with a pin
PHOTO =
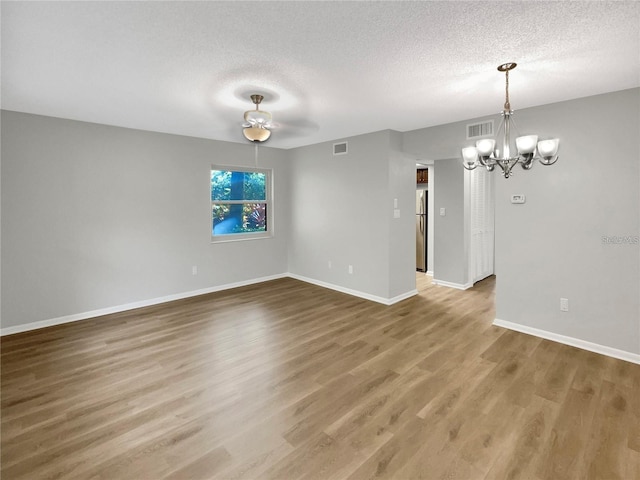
x=430, y=273
x=574, y=342
x=459, y=286
x=130, y=306
x=356, y=293
x=402, y=296
x=179, y=296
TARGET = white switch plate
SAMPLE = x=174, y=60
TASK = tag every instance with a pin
x=396, y=213
x=350, y=268
x=443, y=212
x=564, y=304
x=395, y=203
x=194, y=270
x=518, y=198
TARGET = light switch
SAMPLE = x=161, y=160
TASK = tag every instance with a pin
x=518, y=198
x=395, y=203
x=443, y=212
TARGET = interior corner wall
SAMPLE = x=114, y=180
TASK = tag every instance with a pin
x=341, y=215
x=95, y=217
x=556, y=244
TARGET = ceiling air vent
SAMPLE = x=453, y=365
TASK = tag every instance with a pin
x=477, y=130
x=340, y=148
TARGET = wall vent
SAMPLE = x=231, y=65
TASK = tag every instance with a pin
x=340, y=148
x=482, y=129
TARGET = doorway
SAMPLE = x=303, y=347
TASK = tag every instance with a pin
x=459, y=224
x=424, y=217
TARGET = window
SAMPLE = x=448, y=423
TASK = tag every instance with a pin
x=241, y=205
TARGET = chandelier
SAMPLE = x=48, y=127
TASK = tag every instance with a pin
x=528, y=147
x=257, y=122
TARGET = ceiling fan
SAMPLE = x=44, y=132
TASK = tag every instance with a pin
x=257, y=125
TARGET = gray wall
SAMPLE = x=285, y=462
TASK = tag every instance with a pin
x=450, y=256
x=95, y=217
x=551, y=246
x=342, y=211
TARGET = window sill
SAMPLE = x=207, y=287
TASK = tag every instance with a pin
x=239, y=237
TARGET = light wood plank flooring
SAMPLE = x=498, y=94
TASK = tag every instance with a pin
x=286, y=380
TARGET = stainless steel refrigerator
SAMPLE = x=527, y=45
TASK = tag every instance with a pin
x=421, y=230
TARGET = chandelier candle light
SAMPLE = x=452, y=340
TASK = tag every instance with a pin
x=487, y=155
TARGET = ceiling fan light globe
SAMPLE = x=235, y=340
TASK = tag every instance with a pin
x=256, y=134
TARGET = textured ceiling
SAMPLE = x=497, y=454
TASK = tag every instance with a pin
x=328, y=70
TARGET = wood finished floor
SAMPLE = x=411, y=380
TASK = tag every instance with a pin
x=286, y=380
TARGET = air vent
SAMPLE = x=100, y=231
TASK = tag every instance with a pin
x=340, y=148
x=477, y=130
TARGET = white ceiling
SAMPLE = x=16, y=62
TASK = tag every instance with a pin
x=328, y=70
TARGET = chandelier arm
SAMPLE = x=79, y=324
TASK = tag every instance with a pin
x=514, y=124
x=470, y=167
x=501, y=128
x=526, y=164
x=546, y=162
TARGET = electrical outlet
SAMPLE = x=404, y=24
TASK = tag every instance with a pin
x=329, y=264
x=443, y=212
x=564, y=304
x=194, y=270
x=350, y=268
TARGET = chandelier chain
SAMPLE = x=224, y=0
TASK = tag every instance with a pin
x=507, y=104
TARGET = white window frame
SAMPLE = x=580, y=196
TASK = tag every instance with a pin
x=234, y=237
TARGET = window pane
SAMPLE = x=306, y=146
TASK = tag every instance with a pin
x=231, y=185
x=254, y=186
x=220, y=185
x=238, y=218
